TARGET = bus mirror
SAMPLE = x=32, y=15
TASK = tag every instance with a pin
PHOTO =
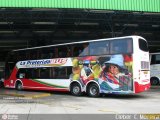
x=21, y=75
x=2, y=79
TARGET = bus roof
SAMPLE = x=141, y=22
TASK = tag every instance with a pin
x=70, y=43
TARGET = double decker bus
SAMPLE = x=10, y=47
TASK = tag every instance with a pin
x=113, y=65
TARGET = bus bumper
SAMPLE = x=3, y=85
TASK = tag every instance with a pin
x=140, y=88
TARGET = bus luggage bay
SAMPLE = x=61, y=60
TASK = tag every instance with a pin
x=113, y=65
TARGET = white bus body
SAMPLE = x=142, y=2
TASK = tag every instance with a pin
x=155, y=68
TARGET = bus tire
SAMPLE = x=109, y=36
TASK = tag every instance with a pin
x=154, y=81
x=19, y=86
x=75, y=89
x=93, y=90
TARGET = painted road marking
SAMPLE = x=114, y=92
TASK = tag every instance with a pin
x=27, y=95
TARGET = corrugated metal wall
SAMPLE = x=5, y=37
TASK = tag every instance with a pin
x=133, y=5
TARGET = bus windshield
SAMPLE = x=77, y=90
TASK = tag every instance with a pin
x=143, y=45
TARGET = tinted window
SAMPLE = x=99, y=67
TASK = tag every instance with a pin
x=99, y=48
x=31, y=54
x=80, y=49
x=143, y=45
x=85, y=50
x=155, y=59
x=64, y=51
x=45, y=73
x=77, y=49
x=63, y=72
x=46, y=53
x=121, y=46
x=152, y=59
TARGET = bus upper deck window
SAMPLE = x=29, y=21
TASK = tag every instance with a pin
x=85, y=50
x=99, y=48
x=121, y=46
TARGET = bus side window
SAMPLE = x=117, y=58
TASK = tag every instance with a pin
x=129, y=46
x=62, y=51
x=46, y=53
x=33, y=73
x=63, y=72
x=43, y=54
x=28, y=54
x=52, y=73
x=100, y=48
x=114, y=49
x=85, y=50
x=156, y=59
x=121, y=46
x=153, y=59
x=69, y=52
x=77, y=50
x=33, y=54
x=44, y=73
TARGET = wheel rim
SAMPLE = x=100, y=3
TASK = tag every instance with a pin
x=19, y=86
x=155, y=82
x=76, y=90
x=93, y=90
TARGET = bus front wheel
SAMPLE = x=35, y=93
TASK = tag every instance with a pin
x=19, y=86
x=93, y=90
x=154, y=81
x=76, y=89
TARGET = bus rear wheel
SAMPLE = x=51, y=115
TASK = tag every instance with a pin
x=19, y=86
x=93, y=90
x=76, y=89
